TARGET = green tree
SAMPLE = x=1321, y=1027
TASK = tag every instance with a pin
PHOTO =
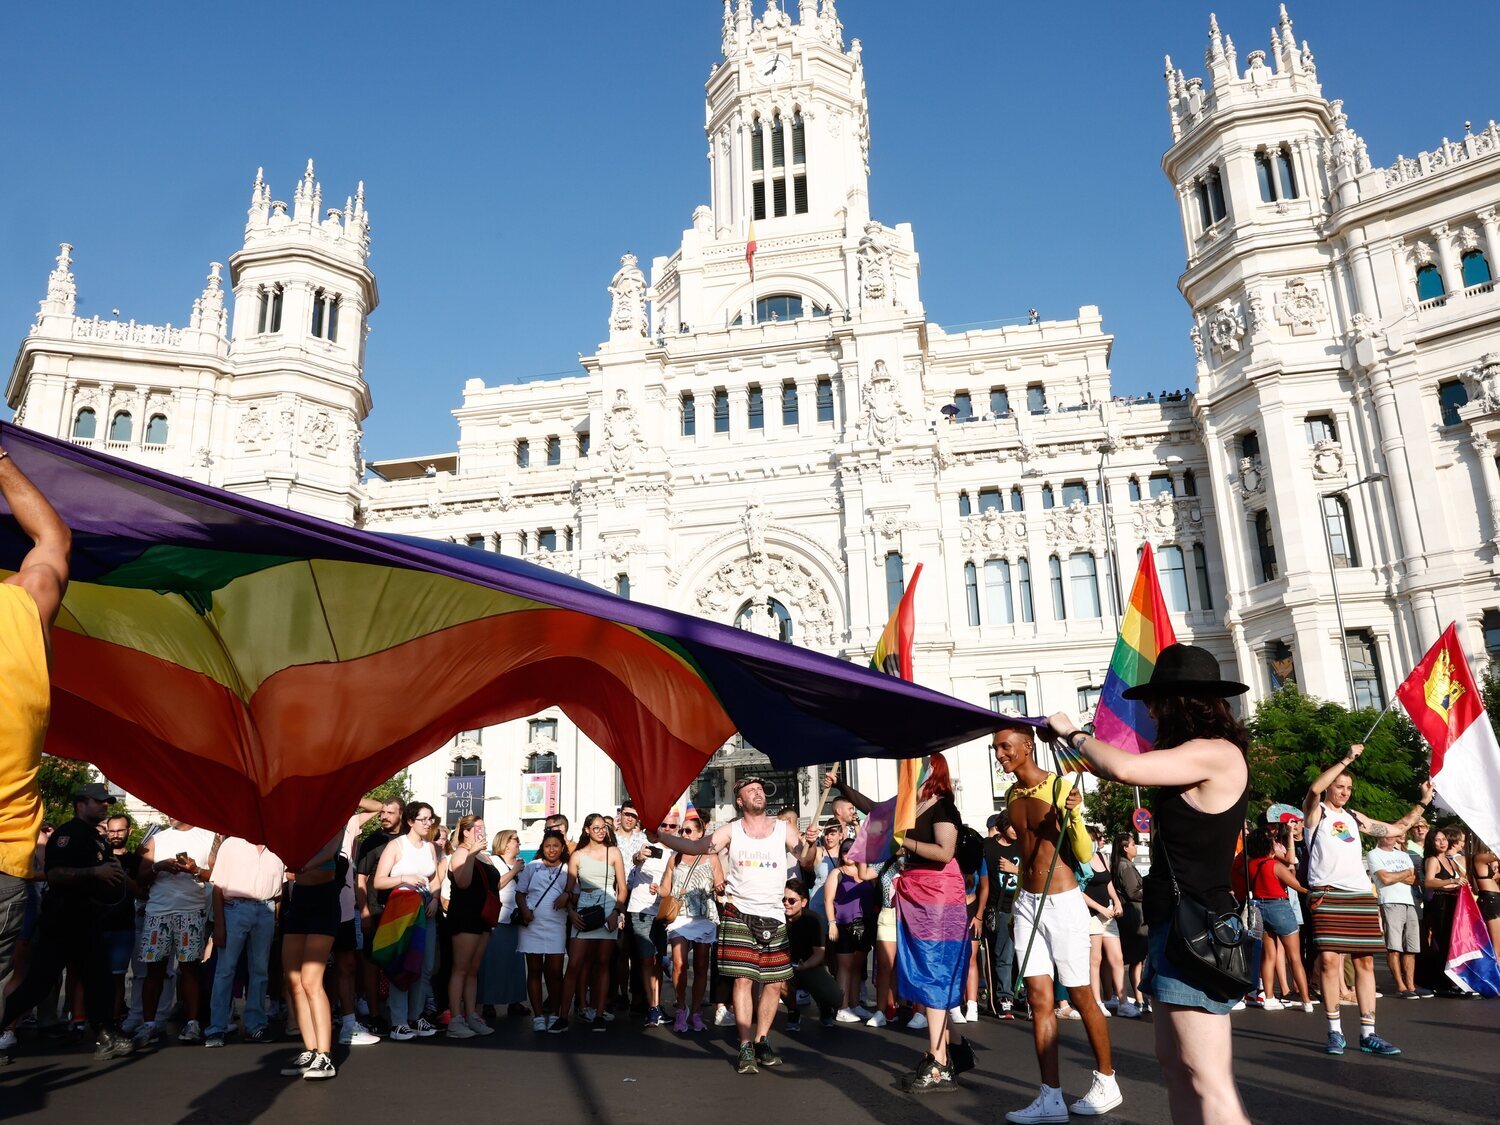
x=1110, y=805
x=1295, y=737
x=57, y=778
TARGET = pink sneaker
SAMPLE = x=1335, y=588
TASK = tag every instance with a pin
x=680, y=1024
x=698, y=1024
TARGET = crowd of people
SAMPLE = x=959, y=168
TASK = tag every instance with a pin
x=409, y=928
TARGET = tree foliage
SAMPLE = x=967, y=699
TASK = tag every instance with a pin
x=57, y=778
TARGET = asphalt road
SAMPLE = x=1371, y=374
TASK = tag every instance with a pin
x=842, y=1074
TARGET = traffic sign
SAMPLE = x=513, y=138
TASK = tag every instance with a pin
x=1141, y=818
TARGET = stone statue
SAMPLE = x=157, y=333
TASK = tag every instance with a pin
x=622, y=433
x=755, y=521
x=881, y=412
x=874, y=265
x=627, y=315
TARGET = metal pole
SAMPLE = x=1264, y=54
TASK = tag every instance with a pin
x=1114, y=571
x=1333, y=577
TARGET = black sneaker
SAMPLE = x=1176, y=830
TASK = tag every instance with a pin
x=559, y=1026
x=1007, y=1008
x=299, y=1065
x=793, y=1024
x=322, y=1067
x=261, y=1034
x=599, y=1023
x=765, y=1054
x=747, y=1064
x=934, y=1078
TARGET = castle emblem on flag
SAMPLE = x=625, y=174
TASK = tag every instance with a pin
x=1442, y=691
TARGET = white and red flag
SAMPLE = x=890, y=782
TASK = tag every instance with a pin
x=1445, y=705
x=750, y=250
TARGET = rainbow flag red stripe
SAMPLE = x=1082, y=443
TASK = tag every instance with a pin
x=1145, y=631
x=893, y=651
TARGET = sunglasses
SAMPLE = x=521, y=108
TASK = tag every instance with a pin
x=790, y=901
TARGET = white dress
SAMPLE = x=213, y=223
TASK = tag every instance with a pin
x=697, y=918
x=540, y=887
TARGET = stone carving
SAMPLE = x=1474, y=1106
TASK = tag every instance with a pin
x=1168, y=518
x=1422, y=253
x=1226, y=328
x=254, y=427
x=888, y=526
x=1299, y=307
x=881, y=413
x=62, y=290
x=755, y=521
x=760, y=619
x=1077, y=525
x=993, y=532
x=770, y=575
x=319, y=432
x=127, y=332
x=622, y=433
x=874, y=255
x=627, y=290
x=1328, y=460
x=1252, y=478
x=1482, y=381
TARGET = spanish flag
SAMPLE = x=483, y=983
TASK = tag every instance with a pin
x=750, y=250
x=1445, y=705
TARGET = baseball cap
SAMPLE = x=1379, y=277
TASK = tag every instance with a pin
x=741, y=782
x=95, y=791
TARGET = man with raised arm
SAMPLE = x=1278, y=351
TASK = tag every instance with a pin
x=753, y=945
x=29, y=601
x=1345, y=913
x=1052, y=924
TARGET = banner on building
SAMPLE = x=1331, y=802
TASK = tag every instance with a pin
x=539, y=793
x=465, y=798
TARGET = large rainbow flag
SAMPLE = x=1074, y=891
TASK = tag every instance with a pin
x=1145, y=631
x=254, y=670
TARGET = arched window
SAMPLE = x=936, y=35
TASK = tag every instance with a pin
x=1265, y=175
x=1083, y=578
x=523, y=454
x=998, y=601
x=1171, y=567
x=471, y=766
x=768, y=618
x=269, y=319
x=963, y=504
x=689, y=413
x=156, y=430
x=971, y=592
x=1429, y=283
x=120, y=426
x=622, y=585
x=1340, y=535
x=1286, y=174
x=318, y=309
x=1210, y=193
x=1451, y=396
x=1059, y=603
x=85, y=425
x=1023, y=589
x=1266, y=545
x=1476, y=268
x=778, y=306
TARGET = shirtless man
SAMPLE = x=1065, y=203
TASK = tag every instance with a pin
x=1043, y=807
x=756, y=874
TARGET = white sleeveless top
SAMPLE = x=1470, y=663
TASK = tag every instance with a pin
x=757, y=871
x=413, y=863
x=1335, y=858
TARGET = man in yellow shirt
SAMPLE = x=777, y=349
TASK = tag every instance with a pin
x=29, y=601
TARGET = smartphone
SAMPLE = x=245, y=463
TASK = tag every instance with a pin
x=654, y=851
x=182, y=857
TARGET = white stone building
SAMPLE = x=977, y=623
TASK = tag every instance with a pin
x=781, y=451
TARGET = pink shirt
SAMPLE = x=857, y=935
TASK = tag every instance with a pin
x=246, y=870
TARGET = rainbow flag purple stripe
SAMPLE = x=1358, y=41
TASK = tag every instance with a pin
x=1145, y=631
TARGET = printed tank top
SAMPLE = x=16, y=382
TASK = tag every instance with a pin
x=757, y=871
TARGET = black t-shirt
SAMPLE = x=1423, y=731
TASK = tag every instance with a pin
x=367, y=862
x=804, y=936
x=941, y=811
x=1002, y=886
x=79, y=844
x=121, y=916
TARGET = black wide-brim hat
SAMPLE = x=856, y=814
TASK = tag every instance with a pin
x=1186, y=670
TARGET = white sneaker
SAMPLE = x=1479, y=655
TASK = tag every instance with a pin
x=538, y=1023
x=723, y=1017
x=402, y=1032
x=7, y=1040
x=847, y=1015
x=322, y=1067
x=918, y=1021
x=190, y=1033
x=1271, y=1004
x=1308, y=1007
x=1102, y=1097
x=589, y=1015
x=1103, y=1011
x=971, y=1011
x=1239, y=1005
x=877, y=1020
x=479, y=1026
x=956, y=1015
x=356, y=1034
x=1049, y=1106
x=459, y=1029
x=423, y=1028
x=1128, y=1010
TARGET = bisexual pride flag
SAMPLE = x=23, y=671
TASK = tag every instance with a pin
x=1144, y=632
x=1471, y=956
x=253, y=670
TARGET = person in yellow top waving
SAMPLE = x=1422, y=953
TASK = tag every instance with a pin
x=29, y=601
x=1052, y=923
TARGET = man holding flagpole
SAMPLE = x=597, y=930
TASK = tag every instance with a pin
x=1345, y=913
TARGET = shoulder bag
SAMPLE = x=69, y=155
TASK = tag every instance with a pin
x=1210, y=949
x=667, y=906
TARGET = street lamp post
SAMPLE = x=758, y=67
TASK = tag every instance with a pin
x=1333, y=574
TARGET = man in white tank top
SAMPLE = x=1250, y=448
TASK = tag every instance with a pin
x=752, y=932
x=1345, y=913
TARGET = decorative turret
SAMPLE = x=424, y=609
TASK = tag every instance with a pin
x=62, y=290
x=346, y=233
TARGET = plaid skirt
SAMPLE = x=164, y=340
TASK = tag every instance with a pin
x=1345, y=922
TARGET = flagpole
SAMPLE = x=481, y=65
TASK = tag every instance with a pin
x=1378, y=717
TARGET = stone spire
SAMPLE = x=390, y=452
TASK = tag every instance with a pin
x=62, y=289
x=209, y=314
x=306, y=198
x=1215, y=40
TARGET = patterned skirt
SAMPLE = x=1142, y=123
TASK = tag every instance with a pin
x=1345, y=922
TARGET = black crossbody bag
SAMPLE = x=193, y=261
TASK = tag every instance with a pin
x=1209, y=948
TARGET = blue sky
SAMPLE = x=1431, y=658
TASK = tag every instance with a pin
x=511, y=152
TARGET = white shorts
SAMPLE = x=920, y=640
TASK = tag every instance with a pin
x=1062, y=938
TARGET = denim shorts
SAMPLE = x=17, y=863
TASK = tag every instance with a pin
x=648, y=934
x=1278, y=915
x=1161, y=979
x=121, y=947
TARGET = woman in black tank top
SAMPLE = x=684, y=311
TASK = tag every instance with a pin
x=1199, y=767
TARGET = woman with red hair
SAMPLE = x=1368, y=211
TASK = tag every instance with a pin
x=932, y=923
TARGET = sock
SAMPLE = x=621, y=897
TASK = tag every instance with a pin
x=1366, y=1027
x=1335, y=1024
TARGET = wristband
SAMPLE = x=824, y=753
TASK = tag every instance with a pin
x=1080, y=734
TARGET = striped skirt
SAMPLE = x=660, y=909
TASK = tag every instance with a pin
x=1345, y=922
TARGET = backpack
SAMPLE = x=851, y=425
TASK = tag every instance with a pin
x=969, y=851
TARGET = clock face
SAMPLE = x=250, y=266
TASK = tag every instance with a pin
x=777, y=68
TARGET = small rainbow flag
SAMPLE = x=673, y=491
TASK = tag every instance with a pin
x=887, y=821
x=400, y=941
x=1146, y=630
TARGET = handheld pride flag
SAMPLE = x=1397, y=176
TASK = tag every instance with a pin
x=1445, y=705
x=1471, y=955
x=1144, y=632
